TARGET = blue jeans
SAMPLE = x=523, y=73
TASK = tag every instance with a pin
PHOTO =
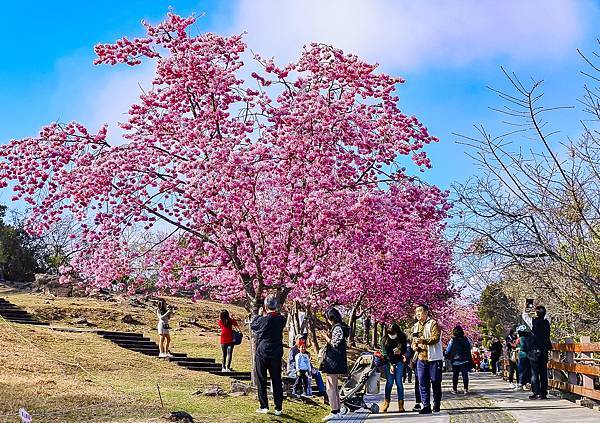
x=430, y=378
x=524, y=371
x=391, y=378
x=319, y=381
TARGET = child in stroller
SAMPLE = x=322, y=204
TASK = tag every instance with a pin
x=364, y=378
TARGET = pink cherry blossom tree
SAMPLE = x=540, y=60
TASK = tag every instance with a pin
x=252, y=177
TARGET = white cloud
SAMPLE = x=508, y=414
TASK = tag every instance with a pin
x=409, y=35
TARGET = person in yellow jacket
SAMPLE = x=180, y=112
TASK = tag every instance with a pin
x=427, y=341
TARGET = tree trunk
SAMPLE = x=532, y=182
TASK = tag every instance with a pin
x=312, y=329
x=352, y=324
x=375, y=333
x=367, y=328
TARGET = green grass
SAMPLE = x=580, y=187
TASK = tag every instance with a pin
x=112, y=384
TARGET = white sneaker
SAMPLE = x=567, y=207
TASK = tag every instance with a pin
x=512, y=386
x=278, y=412
x=330, y=417
x=262, y=410
x=169, y=355
x=161, y=355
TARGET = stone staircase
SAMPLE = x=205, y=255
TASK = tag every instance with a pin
x=137, y=342
x=15, y=314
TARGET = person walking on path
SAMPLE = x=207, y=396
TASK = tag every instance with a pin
x=227, y=323
x=164, y=313
x=538, y=356
x=458, y=352
x=335, y=359
x=268, y=330
x=513, y=357
x=495, y=354
x=428, y=344
x=393, y=347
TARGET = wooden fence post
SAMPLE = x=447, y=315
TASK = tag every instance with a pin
x=555, y=356
x=570, y=359
x=588, y=381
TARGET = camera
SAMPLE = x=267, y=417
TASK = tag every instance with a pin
x=528, y=303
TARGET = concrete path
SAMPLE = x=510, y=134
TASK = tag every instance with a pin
x=490, y=400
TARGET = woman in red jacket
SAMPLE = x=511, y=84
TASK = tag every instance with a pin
x=227, y=323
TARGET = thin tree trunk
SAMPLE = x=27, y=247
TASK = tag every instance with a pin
x=352, y=324
x=367, y=328
x=312, y=329
x=375, y=333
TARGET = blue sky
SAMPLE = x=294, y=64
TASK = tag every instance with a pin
x=448, y=51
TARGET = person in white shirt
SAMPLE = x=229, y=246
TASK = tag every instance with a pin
x=303, y=369
x=164, y=314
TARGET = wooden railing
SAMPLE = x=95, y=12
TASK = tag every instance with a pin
x=565, y=366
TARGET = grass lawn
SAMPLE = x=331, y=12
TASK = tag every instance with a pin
x=76, y=377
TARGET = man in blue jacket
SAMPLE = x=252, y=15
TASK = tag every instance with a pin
x=268, y=330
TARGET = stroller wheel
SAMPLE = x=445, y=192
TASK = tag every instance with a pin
x=374, y=408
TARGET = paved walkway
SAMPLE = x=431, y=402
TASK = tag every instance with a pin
x=490, y=401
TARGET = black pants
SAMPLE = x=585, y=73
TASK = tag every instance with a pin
x=461, y=369
x=227, y=353
x=408, y=372
x=494, y=364
x=417, y=388
x=273, y=365
x=512, y=370
x=539, y=375
x=301, y=384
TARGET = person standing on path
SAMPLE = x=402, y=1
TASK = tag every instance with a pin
x=335, y=360
x=525, y=345
x=428, y=344
x=227, y=323
x=163, y=312
x=538, y=356
x=268, y=330
x=393, y=346
x=495, y=354
x=513, y=357
x=458, y=352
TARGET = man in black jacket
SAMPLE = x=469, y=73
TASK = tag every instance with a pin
x=268, y=330
x=538, y=358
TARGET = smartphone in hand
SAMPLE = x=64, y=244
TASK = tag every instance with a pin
x=528, y=303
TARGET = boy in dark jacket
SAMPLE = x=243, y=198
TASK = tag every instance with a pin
x=268, y=330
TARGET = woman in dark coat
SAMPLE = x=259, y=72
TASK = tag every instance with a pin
x=335, y=360
x=393, y=346
x=459, y=354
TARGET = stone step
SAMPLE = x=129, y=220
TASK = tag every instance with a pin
x=8, y=305
x=13, y=312
x=195, y=365
x=27, y=322
x=126, y=342
x=192, y=359
x=230, y=374
x=109, y=334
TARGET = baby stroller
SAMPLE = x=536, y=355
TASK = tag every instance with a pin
x=364, y=378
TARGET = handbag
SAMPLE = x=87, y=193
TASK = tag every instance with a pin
x=322, y=355
x=237, y=337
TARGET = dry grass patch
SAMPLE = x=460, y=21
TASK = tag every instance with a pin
x=74, y=377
